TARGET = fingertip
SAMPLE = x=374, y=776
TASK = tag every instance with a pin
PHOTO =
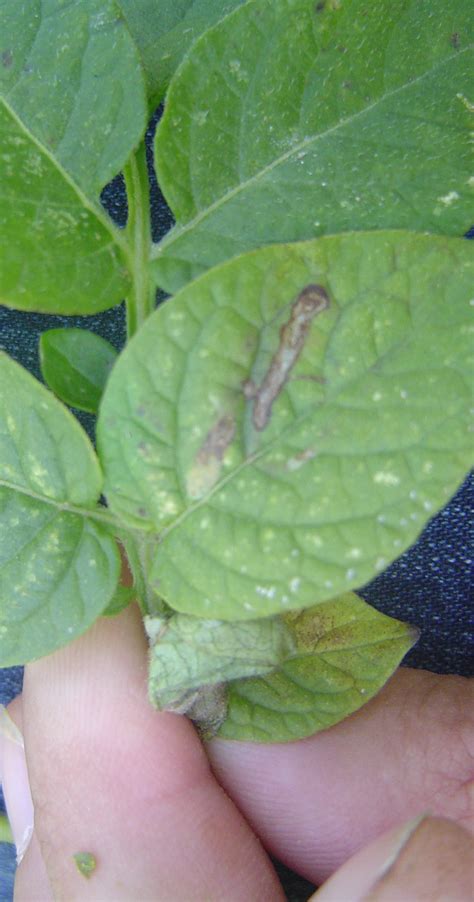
x=316, y=801
x=426, y=858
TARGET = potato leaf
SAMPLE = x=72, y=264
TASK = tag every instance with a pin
x=72, y=77
x=163, y=33
x=76, y=365
x=288, y=120
x=59, y=253
x=345, y=652
x=59, y=565
x=274, y=479
x=189, y=653
x=123, y=596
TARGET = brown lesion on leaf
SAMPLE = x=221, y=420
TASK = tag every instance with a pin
x=300, y=459
x=313, y=299
x=455, y=40
x=217, y=440
x=7, y=59
x=206, y=706
x=308, y=627
x=208, y=461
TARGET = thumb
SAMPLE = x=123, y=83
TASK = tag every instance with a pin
x=427, y=858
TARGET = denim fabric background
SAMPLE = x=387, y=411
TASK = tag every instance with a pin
x=429, y=586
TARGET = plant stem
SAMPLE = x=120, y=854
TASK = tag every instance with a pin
x=6, y=834
x=141, y=300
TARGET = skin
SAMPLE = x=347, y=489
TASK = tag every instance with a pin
x=167, y=819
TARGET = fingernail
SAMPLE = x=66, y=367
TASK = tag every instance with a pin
x=15, y=783
x=398, y=844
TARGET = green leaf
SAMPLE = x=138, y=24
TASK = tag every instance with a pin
x=164, y=33
x=72, y=77
x=346, y=650
x=59, y=253
x=123, y=596
x=365, y=440
x=59, y=565
x=76, y=365
x=189, y=653
x=286, y=122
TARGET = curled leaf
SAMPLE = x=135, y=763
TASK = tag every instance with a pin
x=192, y=659
x=345, y=650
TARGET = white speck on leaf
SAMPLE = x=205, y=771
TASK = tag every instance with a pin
x=384, y=477
x=265, y=591
x=449, y=198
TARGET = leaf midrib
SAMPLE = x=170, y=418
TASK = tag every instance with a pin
x=104, y=516
x=179, y=230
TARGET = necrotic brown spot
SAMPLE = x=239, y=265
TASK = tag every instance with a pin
x=311, y=300
x=217, y=440
x=207, y=465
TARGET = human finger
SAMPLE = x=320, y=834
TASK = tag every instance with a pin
x=315, y=802
x=127, y=786
x=428, y=858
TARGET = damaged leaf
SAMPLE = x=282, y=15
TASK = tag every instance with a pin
x=345, y=651
x=208, y=461
x=189, y=655
x=311, y=300
x=361, y=436
x=277, y=679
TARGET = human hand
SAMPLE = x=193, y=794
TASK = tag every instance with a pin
x=111, y=776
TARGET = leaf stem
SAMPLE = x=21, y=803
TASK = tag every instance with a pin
x=6, y=834
x=141, y=300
